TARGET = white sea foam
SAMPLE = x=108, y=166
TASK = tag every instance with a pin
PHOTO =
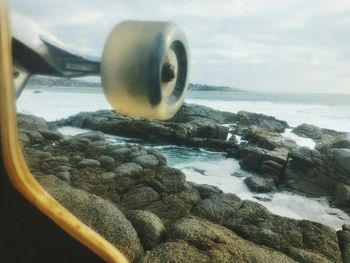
x=219, y=173
x=336, y=117
x=53, y=105
x=301, y=141
x=72, y=131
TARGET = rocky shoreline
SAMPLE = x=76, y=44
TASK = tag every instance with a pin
x=129, y=191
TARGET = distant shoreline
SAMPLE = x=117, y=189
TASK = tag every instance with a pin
x=51, y=82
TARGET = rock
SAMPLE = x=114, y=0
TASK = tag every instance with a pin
x=107, y=162
x=346, y=227
x=262, y=121
x=96, y=148
x=65, y=176
x=139, y=196
x=344, y=245
x=97, y=213
x=261, y=138
x=217, y=207
x=175, y=252
x=308, y=131
x=34, y=136
x=173, y=180
x=206, y=190
x=128, y=169
x=62, y=168
x=342, y=158
x=200, y=132
x=93, y=136
x=149, y=228
x=146, y=161
x=324, y=136
x=217, y=244
x=23, y=138
x=88, y=163
x=121, y=154
x=260, y=185
x=233, y=139
x=51, y=135
x=79, y=144
x=303, y=240
x=137, y=153
x=316, y=173
x=271, y=169
x=107, y=176
x=342, y=194
x=31, y=122
x=176, y=205
x=207, y=129
x=193, y=112
x=253, y=159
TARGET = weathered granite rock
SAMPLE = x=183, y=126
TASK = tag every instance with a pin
x=342, y=194
x=206, y=190
x=140, y=196
x=197, y=240
x=50, y=135
x=31, y=122
x=175, y=252
x=316, y=173
x=344, y=243
x=164, y=192
x=262, y=121
x=264, y=162
x=308, y=131
x=260, y=185
x=303, y=240
x=342, y=158
x=99, y=214
x=149, y=228
x=128, y=169
x=88, y=163
x=316, y=133
x=193, y=112
x=217, y=208
x=147, y=161
x=107, y=162
x=171, y=132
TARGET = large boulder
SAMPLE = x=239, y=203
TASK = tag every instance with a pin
x=262, y=121
x=193, y=112
x=259, y=184
x=99, y=214
x=323, y=136
x=149, y=227
x=172, y=132
x=197, y=240
x=217, y=208
x=303, y=240
x=31, y=122
x=342, y=158
x=344, y=242
x=342, y=194
x=316, y=173
x=264, y=162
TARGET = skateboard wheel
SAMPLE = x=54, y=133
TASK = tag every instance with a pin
x=144, y=69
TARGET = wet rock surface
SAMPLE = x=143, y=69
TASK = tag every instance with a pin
x=148, y=209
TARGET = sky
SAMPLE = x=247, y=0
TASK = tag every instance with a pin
x=257, y=45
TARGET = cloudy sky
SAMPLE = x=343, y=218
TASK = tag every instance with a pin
x=261, y=45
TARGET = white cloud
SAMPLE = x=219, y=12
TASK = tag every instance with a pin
x=301, y=45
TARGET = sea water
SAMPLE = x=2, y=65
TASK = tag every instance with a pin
x=200, y=166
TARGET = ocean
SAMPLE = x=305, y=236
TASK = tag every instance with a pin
x=201, y=166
